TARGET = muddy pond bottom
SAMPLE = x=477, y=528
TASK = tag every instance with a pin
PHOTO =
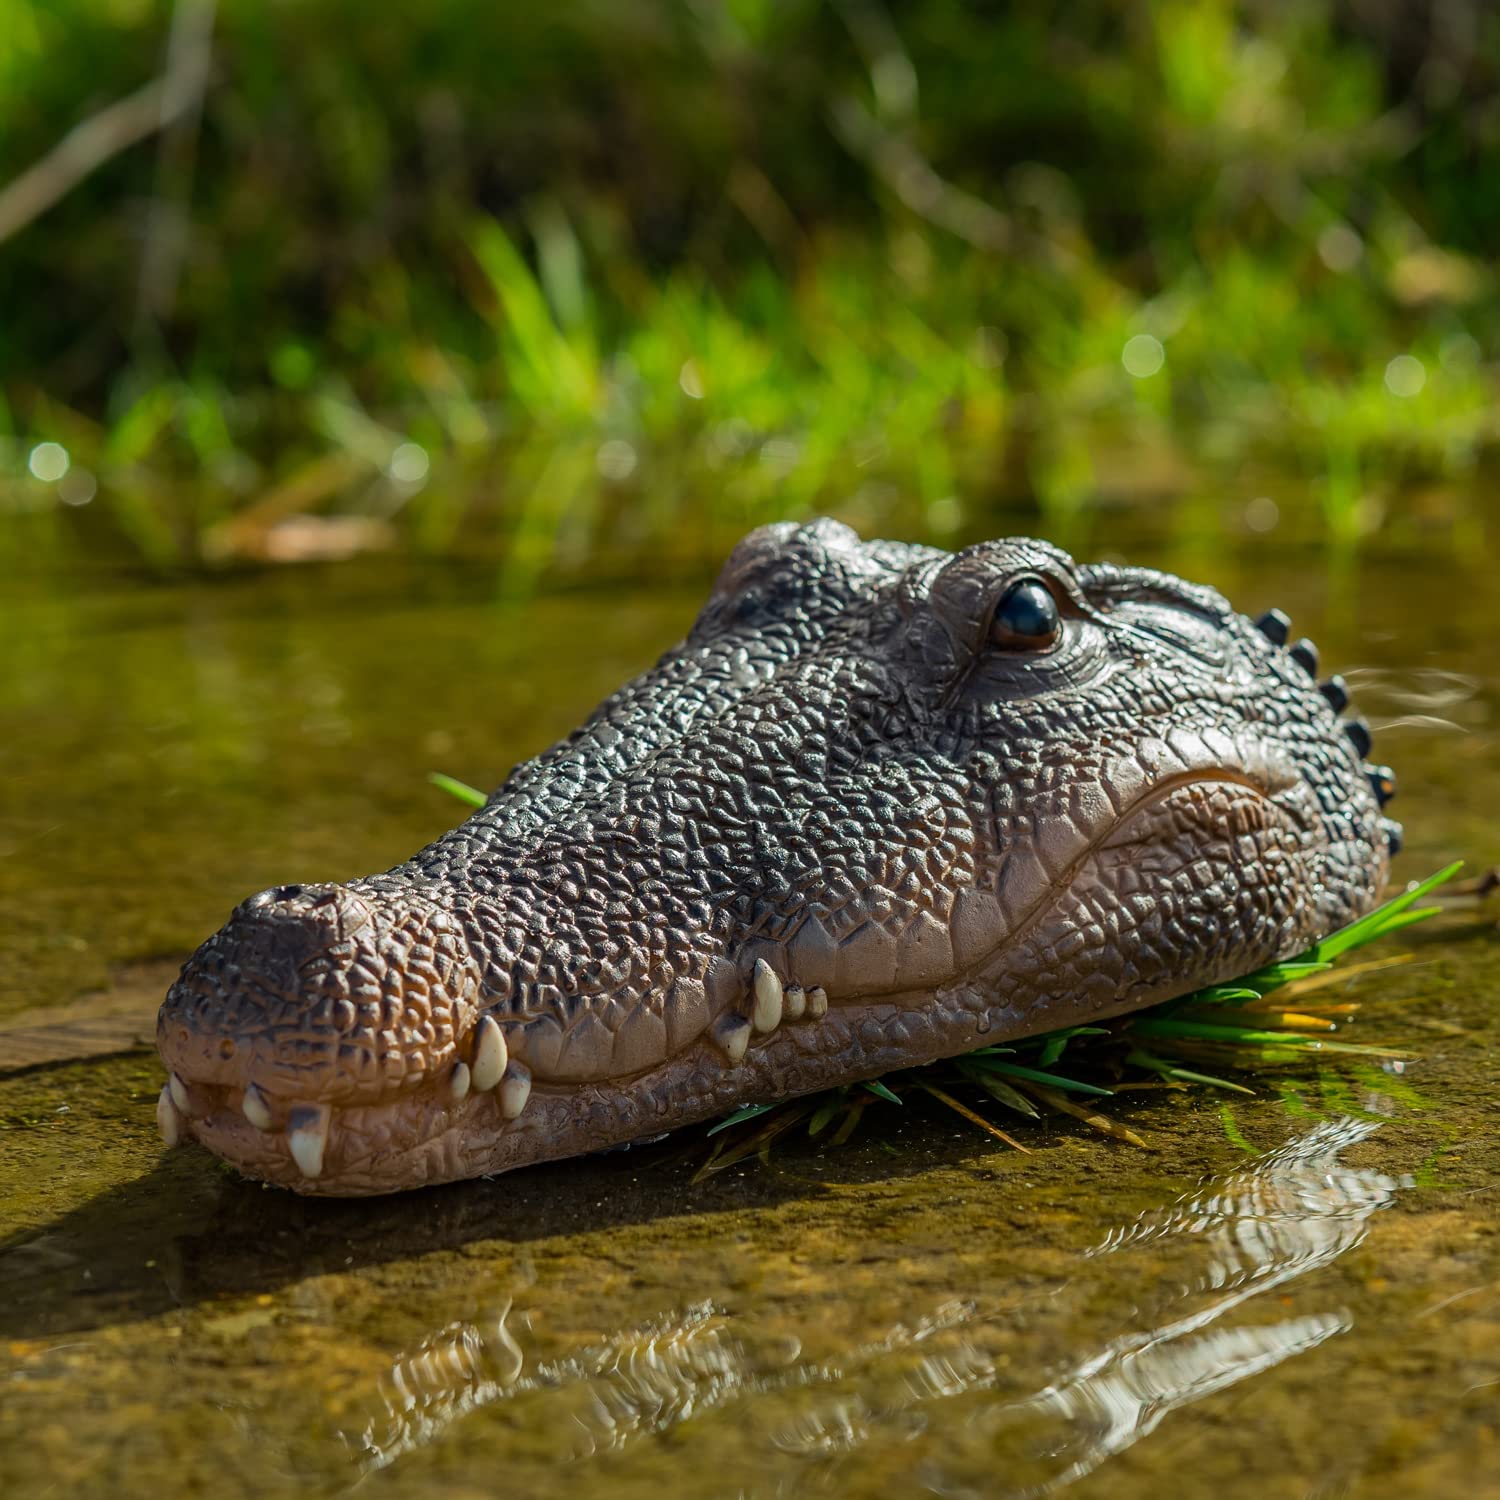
x=1296, y=1293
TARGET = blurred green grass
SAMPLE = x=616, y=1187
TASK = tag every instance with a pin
x=632, y=277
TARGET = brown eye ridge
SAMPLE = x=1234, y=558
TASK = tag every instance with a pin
x=1026, y=618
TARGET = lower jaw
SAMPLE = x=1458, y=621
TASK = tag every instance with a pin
x=411, y=1142
x=417, y=1141
x=371, y=1150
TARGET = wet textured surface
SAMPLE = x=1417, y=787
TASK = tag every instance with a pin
x=883, y=805
x=1297, y=1294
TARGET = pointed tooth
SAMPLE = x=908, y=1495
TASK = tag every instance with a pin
x=1305, y=654
x=168, y=1117
x=458, y=1083
x=1359, y=735
x=1336, y=691
x=490, y=1055
x=307, y=1135
x=732, y=1033
x=256, y=1109
x=180, y=1095
x=795, y=1006
x=515, y=1090
x=817, y=1003
x=769, y=997
x=1275, y=625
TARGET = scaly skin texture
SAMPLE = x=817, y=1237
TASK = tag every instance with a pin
x=854, y=823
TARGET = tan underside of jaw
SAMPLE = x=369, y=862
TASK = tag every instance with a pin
x=303, y=1143
x=484, y=1115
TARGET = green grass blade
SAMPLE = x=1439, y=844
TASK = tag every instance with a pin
x=1054, y=1043
x=1210, y=1031
x=879, y=1089
x=1273, y=976
x=1052, y=1049
x=1232, y=1130
x=825, y=1113
x=1052, y=1080
x=1220, y=994
x=1002, y=1092
x=1379, y=921
x=743, y=1113
x=1180, y=1074
x=470, y=796
x=1243, y=1036
x=1409, y=919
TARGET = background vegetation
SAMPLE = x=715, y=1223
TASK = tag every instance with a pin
x=311, y=276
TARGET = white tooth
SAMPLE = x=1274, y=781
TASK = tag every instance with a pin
x=732, y=1033
x=255, y=1108
x=796, y=1002
x=768, y=997
x=817, y=1003
x=458, y=1085
x=490, y=1055
x=180, y=1094
x=307, y=1135
x=515, y=1090
x=168, y=1117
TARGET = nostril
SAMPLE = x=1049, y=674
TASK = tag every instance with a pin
x=307, y=915
x=274, y=896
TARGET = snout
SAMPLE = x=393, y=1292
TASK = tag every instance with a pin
x=256, y=991
x=319, y=995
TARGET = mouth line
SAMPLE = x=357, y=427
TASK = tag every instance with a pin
x=1209, y=776
x=1149, y=800
x=251, y=1122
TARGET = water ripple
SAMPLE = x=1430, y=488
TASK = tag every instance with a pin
x=1190, y=1264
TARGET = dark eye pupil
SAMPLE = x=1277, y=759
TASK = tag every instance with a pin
x=1027, y=613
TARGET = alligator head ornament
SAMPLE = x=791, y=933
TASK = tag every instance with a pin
x=885, y=804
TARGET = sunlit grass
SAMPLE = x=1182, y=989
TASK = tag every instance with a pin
x=698, y=412
x=520, y=370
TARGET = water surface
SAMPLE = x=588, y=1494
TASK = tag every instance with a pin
x=1291, y=1294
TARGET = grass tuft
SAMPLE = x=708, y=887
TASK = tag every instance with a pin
x=1214, y=1022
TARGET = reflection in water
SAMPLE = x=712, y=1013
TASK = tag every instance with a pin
x=1294, y=1210
x=450, y=1372
x=1124, y=1394
x=642, y=1380
x=1420, y=689
x=1189, y=1264
x=1430, y=699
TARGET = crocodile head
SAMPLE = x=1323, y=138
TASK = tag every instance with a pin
x=883, y=805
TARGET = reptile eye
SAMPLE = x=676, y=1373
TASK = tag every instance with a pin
x=1026, y=618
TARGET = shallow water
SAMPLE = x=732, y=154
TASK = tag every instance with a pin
x=1295, y=1294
